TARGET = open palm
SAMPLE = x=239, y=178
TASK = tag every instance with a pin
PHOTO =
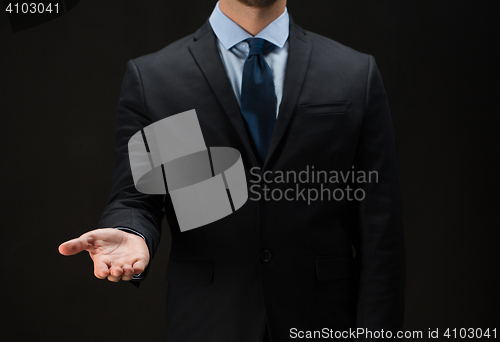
x=116, y=254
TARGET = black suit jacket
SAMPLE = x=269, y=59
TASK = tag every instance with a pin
x=287, y=264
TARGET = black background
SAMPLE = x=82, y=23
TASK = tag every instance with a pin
x=59, y=87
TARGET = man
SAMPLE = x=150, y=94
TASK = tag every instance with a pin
x=290, y=101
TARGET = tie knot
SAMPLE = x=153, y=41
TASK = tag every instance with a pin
x=256, y=46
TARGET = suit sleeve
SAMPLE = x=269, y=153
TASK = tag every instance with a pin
x=126, y=207
x=380, y=242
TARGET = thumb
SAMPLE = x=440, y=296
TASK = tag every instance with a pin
x=74, y=246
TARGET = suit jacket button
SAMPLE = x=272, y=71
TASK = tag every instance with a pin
x=265, y=255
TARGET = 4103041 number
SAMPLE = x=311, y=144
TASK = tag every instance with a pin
x=32, y=8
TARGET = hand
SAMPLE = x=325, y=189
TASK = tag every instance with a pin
x=116, y=254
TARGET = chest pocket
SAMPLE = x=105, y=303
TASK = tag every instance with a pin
x=324, y=109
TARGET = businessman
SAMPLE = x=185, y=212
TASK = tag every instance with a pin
x=281, y=267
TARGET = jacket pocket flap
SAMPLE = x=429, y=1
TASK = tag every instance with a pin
x=334, y=267
x=332, y=108
x=190, y=272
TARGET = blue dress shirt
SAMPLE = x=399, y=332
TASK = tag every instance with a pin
x=234, y=50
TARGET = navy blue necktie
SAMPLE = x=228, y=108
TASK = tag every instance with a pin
x=258, y=98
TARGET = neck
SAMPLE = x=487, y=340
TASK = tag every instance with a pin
x=252, y=19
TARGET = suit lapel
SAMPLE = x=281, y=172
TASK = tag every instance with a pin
x=206, y=54
x=299, y=53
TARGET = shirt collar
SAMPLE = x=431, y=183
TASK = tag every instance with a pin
x=229, y=33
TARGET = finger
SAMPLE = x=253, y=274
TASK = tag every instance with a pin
x=139, y=266
x=101, y=269
x=115, y=273
x=74, y=246
x=128, y=272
